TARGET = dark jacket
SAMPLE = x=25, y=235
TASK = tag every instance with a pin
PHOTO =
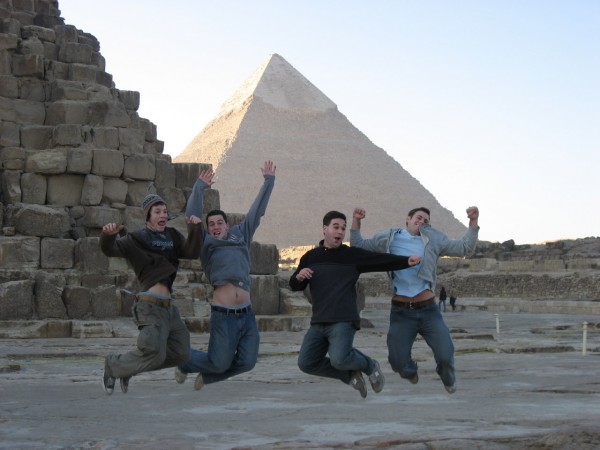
x=152, y=264
x=333, y=284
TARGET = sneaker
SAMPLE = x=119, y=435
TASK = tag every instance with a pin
x=415, y=379
x=124, y=384
x=451, y=389
x=108, y=383
x=199, y=383
x=357, y=382
x=376, y=379
x=180, y=376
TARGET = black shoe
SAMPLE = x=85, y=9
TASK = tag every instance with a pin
x=124, y=384
x=415, y=379
x=108, y=383
x=451, y=389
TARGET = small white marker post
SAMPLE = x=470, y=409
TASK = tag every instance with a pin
x=497, y=323
x=584, y=346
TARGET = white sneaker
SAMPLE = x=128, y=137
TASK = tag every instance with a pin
x=199, y=383
x=180, y=376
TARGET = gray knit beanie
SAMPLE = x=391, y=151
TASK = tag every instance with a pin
x=149, y=202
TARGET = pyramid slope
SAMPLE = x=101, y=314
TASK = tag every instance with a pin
x=323, y=163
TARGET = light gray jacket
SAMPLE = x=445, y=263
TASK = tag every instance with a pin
x=436, y=244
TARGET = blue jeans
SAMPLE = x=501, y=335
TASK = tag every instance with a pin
x=232, y=347
x=405, y=323
x=335, y=339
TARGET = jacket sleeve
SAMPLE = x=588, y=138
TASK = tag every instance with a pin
x=296, y=285
x=379, y=262
x=377, y=243
x=190, y=248
x=195, y=204
x=113, y=247
x=258, y=208
x=465, y=246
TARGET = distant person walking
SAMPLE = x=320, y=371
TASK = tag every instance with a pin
x=413, y=305
x=331, y=270
x=225, y=256
x=443, y=297
x=154, y=253
x=453, y=301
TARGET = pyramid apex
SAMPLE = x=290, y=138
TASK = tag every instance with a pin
x=278, y=83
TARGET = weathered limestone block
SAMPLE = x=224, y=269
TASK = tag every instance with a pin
x=42, y=33
x=165, y=172
x=13, y=158
x=71, y=52
x=57, y=253
x=154, y=148
x=174, y=198
x=16, y=300
x=98, y=216
x=186, y=174
x=137, y=191
x=105, y=302
x=9, y=134
x=93, y=188
x=150, y=130
x=28, y=65
x=29, y=112
x=67, y=134
x=50, y=52
x=8, y=111
x=103, y=137
x=133, y=218
x=79, y=160
x=516, y=266
x=82, y=72
x=482, y=264
x=264, y=259
x=131, y=140
x=65, y=190
x=110, y=114
x=31, y=46
x=66, y=34
x=11, y=186
x=38, y=220
x=46, y=161
x=78, y=301
x=264, y=292
x=36, y=136
x=8, y=41
x=107, y=163
x=56, y=71
x=67, y=112
x=33, y=188
x=103, y=78
x=139, y=167
x=9, y=86
x=114, y=191
x=19, y=252
x=66, y=90
x=131, y=99
x=32, y=89
x=48, y=295
x=88, y=256
x=294, y=303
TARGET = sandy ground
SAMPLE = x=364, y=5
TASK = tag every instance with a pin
x=528, y=387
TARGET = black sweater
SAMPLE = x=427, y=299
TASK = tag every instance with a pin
x=333, y=284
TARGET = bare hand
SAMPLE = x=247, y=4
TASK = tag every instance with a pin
x=305, y=274
x=193, y=220
x=112, y=228
x=472, y=212
x=269, y=168
x=413, y=260
x=359, y=214
x=208, y=176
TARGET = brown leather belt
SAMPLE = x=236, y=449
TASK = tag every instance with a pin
x=419, y=301
x=157, y=301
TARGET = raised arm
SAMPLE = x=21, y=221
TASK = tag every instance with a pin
x=108, y=240
x=259, y=206
x=195, y=204
x=378, y=243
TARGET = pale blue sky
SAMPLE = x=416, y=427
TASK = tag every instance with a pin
x=488, y=103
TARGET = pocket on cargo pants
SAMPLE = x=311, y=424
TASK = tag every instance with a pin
x=144, y=315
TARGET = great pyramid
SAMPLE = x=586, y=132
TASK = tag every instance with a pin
x=323, y=161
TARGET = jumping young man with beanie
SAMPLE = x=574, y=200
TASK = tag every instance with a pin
x=332, y=270
x=225, y=256
x=154, y=253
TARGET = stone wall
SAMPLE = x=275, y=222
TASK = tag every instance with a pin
x=75, y=155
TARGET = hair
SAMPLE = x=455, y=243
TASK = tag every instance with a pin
x=420, y=208
x=216, y=212
x=327, y=218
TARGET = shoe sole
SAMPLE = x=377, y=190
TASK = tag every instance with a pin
x=124, y=385
x=357, y=382
x=104, y=388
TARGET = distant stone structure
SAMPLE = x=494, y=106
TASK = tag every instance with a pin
x=324, y=161
x=75, y=155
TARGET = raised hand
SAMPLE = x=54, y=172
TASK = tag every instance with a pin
x=269, y=168
x=112, y=228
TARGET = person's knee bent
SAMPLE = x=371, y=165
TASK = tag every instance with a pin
x=149, y=343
